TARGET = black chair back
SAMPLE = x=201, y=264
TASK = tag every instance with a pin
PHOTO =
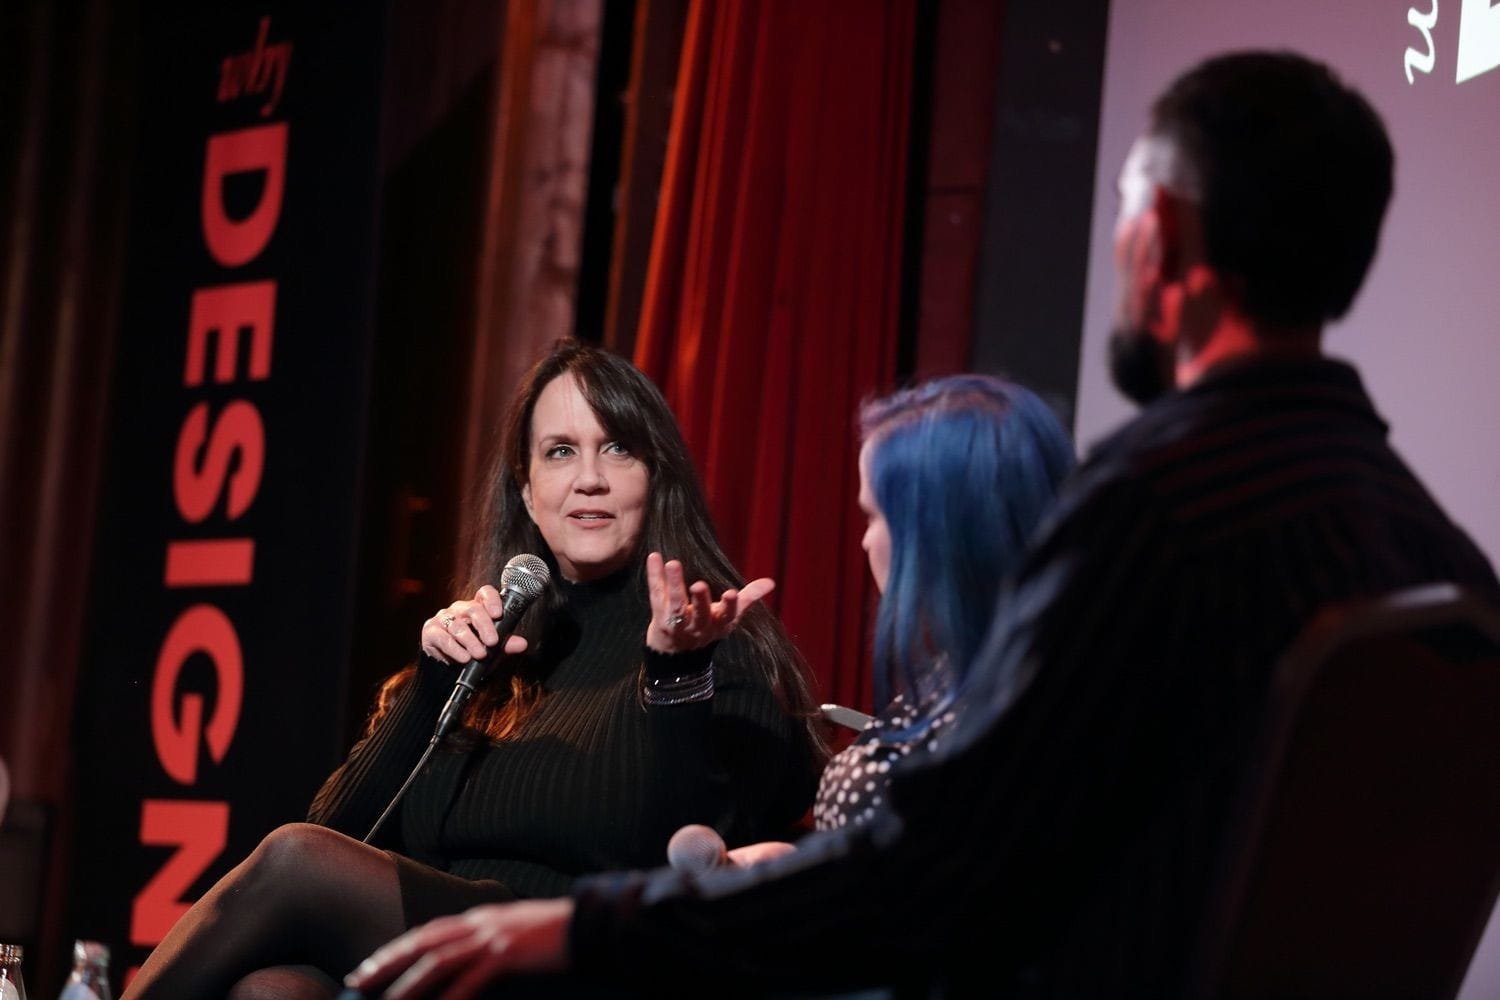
x=1366, y=861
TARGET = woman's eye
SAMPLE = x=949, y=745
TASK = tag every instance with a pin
x=616, y=448
x=559, y=451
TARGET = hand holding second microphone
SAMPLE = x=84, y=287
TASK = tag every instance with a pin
x=695, y=849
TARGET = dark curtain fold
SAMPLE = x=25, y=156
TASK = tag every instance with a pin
x=773, y=293
x=67, y=114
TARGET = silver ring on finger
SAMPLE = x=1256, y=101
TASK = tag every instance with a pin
x=447, y=620
x=675, y=620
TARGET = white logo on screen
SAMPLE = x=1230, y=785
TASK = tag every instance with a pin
x=1421, y=61
x=1478, y=40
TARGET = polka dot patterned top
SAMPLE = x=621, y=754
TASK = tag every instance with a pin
x=855, y=781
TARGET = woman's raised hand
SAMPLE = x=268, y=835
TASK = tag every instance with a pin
x=465, y=630
x=686, y=618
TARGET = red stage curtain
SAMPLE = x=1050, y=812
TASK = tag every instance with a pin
x=773, y=290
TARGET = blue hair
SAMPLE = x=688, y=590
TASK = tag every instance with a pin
x=963, y=468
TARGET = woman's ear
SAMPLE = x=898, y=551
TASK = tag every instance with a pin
x=526, y=499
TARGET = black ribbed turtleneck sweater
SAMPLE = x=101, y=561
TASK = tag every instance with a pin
x=595, y=780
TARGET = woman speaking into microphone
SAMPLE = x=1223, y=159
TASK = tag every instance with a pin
x=628, y=701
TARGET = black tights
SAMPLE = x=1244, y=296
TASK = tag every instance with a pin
x=307, y=896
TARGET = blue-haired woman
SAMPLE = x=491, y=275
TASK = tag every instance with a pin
x=955, y=475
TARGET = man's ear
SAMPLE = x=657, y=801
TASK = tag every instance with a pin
x=1139, y=249
x=1170, y=231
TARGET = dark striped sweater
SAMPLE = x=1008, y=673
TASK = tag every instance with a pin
x=1061, y=841
x=596, y=780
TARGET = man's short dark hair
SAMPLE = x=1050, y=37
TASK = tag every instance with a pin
x=1294, y=171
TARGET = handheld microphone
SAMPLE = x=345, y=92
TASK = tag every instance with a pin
x=696, y=849
x=523, y=581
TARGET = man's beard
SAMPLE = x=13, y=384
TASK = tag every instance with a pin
x=1139, y=365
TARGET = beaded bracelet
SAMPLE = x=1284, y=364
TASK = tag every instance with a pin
x=679, y=690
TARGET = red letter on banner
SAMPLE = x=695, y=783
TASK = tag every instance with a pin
x=196, y=485
x=262, y=148
x=225, y=310
x=215, y=562
x=202, y=628
x=199, y=830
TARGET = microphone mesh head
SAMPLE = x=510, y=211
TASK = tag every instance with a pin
x=525, y=576
x=695, y=849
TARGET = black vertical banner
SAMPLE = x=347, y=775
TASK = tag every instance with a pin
x=220, y=593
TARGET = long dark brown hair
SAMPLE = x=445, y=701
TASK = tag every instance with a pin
x=677, y=524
